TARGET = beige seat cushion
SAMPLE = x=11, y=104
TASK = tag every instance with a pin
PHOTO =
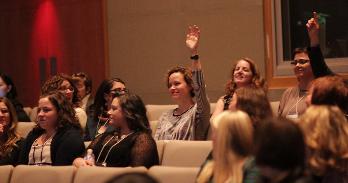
x=153, y=126
x=186, y=153
x=275, y=106
x=102, y=174
x=33, y=114
x=160, y=148
x=23, y=128
x=154, y=112
x=174, y=174
x=5, y=173
x=43, y=174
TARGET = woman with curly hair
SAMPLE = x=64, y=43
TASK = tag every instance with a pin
x=130, y=143
x=244, y=73
x=326, y=133
x=9, y=139
x=64, y=84
x=57, y=137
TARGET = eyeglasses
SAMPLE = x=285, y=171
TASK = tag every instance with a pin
x=118, y=91
x=65, y=89
x=299, y=61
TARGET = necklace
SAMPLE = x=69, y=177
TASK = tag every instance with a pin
x=177, y=115
x=117, y=142
x=99, y=126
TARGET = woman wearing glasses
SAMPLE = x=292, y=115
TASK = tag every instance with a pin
x=292, y=103
x=97, y=122
x=64, y=84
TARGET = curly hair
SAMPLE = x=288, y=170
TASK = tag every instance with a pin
x=134, y=110
x=65, y=111
x=186, y=72
x=254, y=101
x=257, y=80
x=9, y=138
x=326, y=133
x=54, y=84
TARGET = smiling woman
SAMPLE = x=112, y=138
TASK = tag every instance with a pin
x=244, y=73
x=57, y=138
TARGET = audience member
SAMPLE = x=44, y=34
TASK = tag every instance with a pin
x=280, y=152
x=10, y=141
x=8, y=90
x=190, y=120
x=232, y=149
x=57, y=137
x=326, y=132
x=243, y=74
x=84, y=89
x=63, y=83
x=131, y=143
x=97, y=122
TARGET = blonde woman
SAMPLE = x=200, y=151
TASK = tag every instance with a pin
x=326, y=133
x=232, y=146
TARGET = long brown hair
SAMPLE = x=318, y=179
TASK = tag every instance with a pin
x=257, y=80
x=9, y=138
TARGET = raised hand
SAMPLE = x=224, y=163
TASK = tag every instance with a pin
x=313, y=30
x=192, y=39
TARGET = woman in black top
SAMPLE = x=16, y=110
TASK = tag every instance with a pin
x=131, y=143
x=57, y=137
x=9, y=139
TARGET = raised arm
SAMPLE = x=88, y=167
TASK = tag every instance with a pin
x=192, y=42
x=203, y=106
x=317, y=61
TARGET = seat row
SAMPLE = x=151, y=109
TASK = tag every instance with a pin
x=154, y=111
x=70, y=174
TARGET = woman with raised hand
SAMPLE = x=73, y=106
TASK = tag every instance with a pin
x=190, y=120
x=244, y=73
x=57, y=137
x=130, y=143
x=10, y=141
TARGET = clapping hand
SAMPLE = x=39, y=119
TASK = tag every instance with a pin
x=192, y=38
x=313, y=29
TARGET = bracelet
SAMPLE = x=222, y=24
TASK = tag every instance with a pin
x=195, y=57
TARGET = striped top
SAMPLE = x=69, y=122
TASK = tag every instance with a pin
x=40, y=154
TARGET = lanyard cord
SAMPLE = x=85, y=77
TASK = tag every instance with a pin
x=107, y=154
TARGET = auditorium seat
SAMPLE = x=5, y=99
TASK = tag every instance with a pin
x=153, y=126
x=24, y=128
x=160, y=148
x=27, y=110
x=275, y=106
x=102, y=174
x=5, y=173
x=154, y=112
x=174, y=174
x=33, y=114
x=43, y=174
x=185, y=153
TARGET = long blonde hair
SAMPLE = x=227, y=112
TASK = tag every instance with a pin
x=326, y=134
x=232, y=145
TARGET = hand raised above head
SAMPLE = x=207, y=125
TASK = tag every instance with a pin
x=192, y=38
x=313, y=29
